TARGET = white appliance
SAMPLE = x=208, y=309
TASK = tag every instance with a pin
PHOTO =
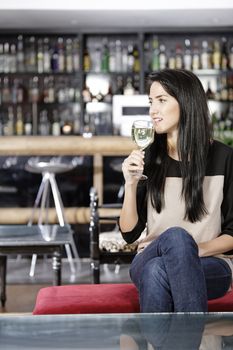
x=126, y=109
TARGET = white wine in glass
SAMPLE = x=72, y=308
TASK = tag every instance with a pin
x=142, y=135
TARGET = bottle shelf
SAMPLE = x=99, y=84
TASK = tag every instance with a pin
x=36, y=68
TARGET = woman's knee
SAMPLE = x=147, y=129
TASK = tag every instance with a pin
x=154, y=273
x=178, y=236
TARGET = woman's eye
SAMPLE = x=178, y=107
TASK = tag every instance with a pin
x=162, y=100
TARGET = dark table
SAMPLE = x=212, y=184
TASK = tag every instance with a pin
x=35, y=239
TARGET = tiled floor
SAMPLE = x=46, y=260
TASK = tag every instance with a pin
x=22, y=289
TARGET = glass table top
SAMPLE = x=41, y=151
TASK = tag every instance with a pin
x=17, y=235
x=213, y=331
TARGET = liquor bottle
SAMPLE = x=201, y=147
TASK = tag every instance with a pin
x=147, y=55
x=0, y=91
x=70, y=91
x=61, y=91
x=105, y=56
x=55, y=59
x=112, y=57
x=196, y=56
x=118, y=56
x=6, y=94
x=224, y=55
x=187, y=55
x=28, y=124
x=44, y=123
x=75, y=55
x=86, y=60
x=136, y=65
x=45, y=90
x=2, y=58
x=119, y=85
x=162, y=57
x=51, y=90
x=1, y=126
x=21, y=93
x=12, y=59
x=96, y=61
x=230, y=87
x=40, y=57
x=231, y=57
x=20, y=54
x=19, y=126
x=68, y=56
x=34, y=90
x=31, y=55
x=130, y=58
x=209, y=93
x=14, y=91
x=218, y=90
x=178, y=57
x=155, y=55
x=76, y=123
x=77, y=92
x=171, y=59
x=86, y=94
x=46, y=56
x=56, y=127
x=125, y=58
x=136, y=84
x=6, y=48
x=216, y=56
x=205, y=56
x=224, y=88
x=61, y=55
x=9, y=126
x=129, y=89
x=108, y=97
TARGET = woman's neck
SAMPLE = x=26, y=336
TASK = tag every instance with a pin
x=172, y=149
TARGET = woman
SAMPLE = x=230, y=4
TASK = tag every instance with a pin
x=186, y=203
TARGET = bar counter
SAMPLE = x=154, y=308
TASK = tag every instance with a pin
x=96, y=146
x=65, y=145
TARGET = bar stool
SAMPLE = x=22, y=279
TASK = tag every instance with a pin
x=49, y=169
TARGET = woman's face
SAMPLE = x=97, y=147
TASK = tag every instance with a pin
x=164, y=110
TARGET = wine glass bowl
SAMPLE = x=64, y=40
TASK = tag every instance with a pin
x=143, y=136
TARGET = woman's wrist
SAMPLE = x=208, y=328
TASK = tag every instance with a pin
x=130, y=185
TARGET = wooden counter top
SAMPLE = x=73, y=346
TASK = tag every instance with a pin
x=65, y=145
x=96, y=146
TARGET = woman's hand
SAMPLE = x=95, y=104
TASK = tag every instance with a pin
x=132, y=166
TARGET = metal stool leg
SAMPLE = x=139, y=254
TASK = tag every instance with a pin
x=43, y=195
x=61, y=218
x=33, y=265
x=57, y=200
x=42, y=201
x=37, y=200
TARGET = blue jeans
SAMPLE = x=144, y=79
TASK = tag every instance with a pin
x=171, y=277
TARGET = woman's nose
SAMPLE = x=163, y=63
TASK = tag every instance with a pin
x=154, y=109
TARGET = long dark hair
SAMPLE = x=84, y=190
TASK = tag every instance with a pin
x=194, y=135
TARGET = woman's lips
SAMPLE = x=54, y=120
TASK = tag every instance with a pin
x=157, y=120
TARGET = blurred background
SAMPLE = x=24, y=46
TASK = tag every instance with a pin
x=77, y=70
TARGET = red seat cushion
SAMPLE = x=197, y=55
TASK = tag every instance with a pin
x=87, y=299
x=222, y=304
x=103, y=298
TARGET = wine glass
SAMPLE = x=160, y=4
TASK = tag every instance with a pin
x=142, y=135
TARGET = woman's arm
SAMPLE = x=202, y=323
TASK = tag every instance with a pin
x=129, y=215
x=131, y=165
x=219, y=245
